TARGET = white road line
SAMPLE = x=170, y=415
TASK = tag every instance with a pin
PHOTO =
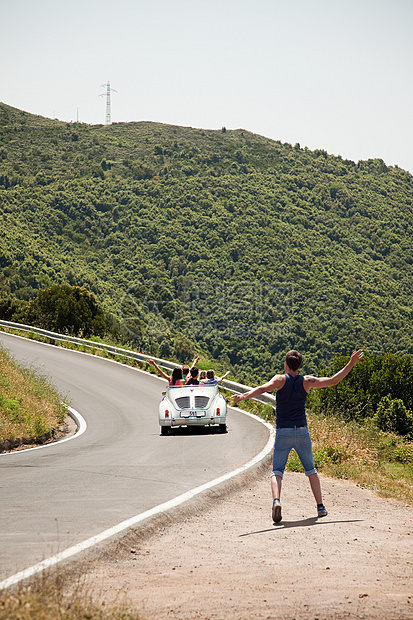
x=124, y=525
x=81, y=427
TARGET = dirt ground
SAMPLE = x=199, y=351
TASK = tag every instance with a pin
x=225, y=559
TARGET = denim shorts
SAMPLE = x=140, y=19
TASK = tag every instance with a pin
x=285, y=440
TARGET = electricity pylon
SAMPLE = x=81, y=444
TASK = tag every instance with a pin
x=108, y=89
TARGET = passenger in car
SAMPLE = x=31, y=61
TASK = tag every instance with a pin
x=202, y=376
x=211, y=379
x=186, y=368
x=193, y=379
x=175, y=380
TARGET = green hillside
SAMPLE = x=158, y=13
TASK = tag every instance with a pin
x=220, y=241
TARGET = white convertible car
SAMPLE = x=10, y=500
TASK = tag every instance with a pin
x=192, y=405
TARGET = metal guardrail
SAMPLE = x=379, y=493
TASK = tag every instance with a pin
x=232, y=386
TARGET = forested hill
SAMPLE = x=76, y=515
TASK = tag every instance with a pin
x=221, y=241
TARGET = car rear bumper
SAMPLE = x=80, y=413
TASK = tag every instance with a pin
x=193, y=421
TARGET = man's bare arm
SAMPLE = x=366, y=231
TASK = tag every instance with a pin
x=320, y=382
x=275, y=383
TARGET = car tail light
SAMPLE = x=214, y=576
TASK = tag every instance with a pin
x=218, y=411
x=166, y=413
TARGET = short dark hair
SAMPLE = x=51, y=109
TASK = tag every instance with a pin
x=210, y=374
x=293, y=359
x=194, y=372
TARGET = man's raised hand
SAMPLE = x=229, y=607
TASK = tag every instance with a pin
x=356, y=356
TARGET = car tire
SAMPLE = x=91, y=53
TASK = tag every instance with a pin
x=164, y=430
x=223, y=428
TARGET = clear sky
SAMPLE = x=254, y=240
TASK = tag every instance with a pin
x=330, y=74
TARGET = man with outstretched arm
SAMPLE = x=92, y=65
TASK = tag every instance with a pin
x=291, y=422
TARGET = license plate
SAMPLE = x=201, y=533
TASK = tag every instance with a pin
x=192, y=414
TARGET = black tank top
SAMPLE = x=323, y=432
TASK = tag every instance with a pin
x=290, y=403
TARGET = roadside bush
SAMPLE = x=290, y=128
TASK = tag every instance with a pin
x=392, y=416
x=360, y=394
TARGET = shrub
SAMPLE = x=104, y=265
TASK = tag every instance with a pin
x=392, y=416
x=359, y=395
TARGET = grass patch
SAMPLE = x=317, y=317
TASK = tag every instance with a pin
x=362, y=453
x=50, y=597
x=31, y=410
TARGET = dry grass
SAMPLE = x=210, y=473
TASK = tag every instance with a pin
x=336, y=443
x=373, y=459
x=53, y=597
x=30, y=407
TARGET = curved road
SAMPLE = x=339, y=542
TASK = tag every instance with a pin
x=62, y=494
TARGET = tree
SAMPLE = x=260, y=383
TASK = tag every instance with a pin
x=69, y=310
x=14, y=310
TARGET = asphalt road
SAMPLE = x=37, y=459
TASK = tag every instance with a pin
x=62, y=494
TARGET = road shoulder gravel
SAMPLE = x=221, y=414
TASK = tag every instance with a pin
x=225, y=560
